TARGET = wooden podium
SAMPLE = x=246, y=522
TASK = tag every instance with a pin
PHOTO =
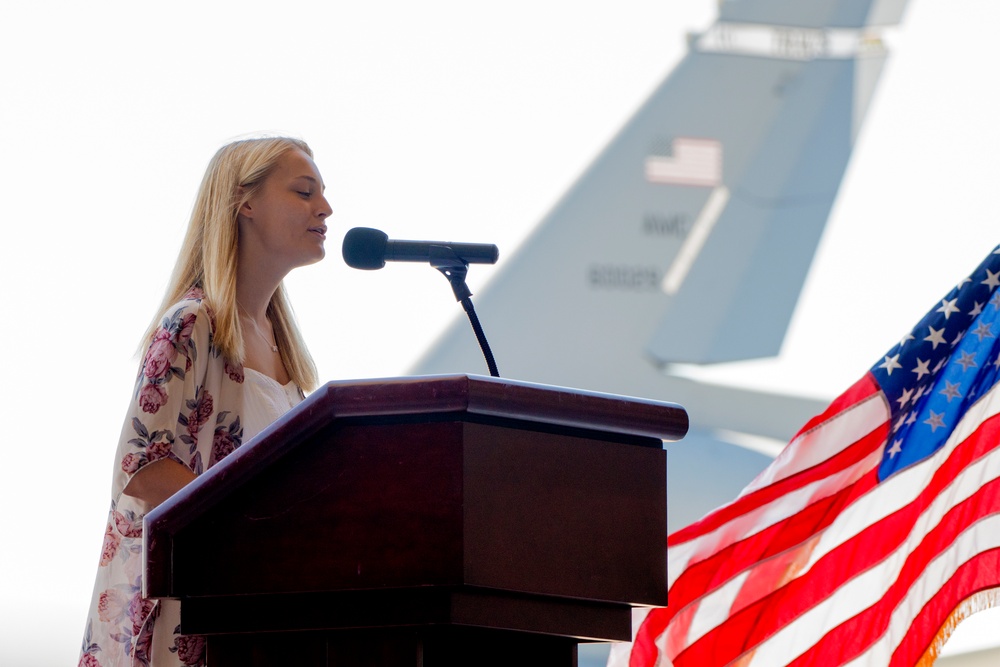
x=425, y=521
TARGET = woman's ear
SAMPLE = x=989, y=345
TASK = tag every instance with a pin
x=245, y=210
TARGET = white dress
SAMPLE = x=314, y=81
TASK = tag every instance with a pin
x=264, y=400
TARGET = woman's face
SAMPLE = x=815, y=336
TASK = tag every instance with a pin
x=284, y=223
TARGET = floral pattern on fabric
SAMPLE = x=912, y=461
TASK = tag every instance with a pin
x=186, y=407
x=190, y=649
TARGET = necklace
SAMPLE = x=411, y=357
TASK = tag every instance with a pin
x=272, y=345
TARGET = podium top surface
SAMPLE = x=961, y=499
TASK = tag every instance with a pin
x=506, y=399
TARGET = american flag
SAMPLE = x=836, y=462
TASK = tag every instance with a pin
x=695, y=162
x=873, y=533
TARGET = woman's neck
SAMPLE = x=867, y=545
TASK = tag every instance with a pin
x=254, y=289
x=253, y=304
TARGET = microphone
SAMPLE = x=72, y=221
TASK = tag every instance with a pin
x=366, y=248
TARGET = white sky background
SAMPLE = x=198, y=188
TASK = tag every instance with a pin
x=437, y=120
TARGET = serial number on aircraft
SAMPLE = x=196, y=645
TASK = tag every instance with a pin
x=624, y=277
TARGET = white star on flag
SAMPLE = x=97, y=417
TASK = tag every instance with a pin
x=951, y=390
x=890, y=364
x=936, y=337
x=967, y=361
x=935, y=421
x=948, y=307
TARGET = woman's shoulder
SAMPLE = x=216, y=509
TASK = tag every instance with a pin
x=186, y=330
x=177, y=322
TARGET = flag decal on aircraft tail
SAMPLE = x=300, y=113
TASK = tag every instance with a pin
x=695, y=162
x=874, y=531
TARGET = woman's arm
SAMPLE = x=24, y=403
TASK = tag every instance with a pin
x=157, y=481
x=158, y=450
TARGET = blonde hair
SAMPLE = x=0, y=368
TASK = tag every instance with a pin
x=208, y=255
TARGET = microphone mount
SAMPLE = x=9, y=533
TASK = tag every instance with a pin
x=455, y=269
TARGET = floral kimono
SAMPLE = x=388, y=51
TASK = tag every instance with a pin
x=186, y=407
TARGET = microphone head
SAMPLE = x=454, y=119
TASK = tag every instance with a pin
x=364, y=248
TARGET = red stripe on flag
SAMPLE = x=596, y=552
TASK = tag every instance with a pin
x=856, y=393
x=975, y=576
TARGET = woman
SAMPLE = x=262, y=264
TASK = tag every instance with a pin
x=222, y=360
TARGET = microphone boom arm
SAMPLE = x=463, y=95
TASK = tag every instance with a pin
x=454, y=268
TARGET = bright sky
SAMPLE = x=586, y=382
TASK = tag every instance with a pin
x=437, y=120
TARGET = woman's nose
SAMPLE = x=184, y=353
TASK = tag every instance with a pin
x=324, y=209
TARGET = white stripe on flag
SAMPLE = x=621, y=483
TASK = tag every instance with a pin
x=825, y=441
x=714, y=608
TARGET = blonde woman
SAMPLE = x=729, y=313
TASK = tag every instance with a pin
x=221, y=361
